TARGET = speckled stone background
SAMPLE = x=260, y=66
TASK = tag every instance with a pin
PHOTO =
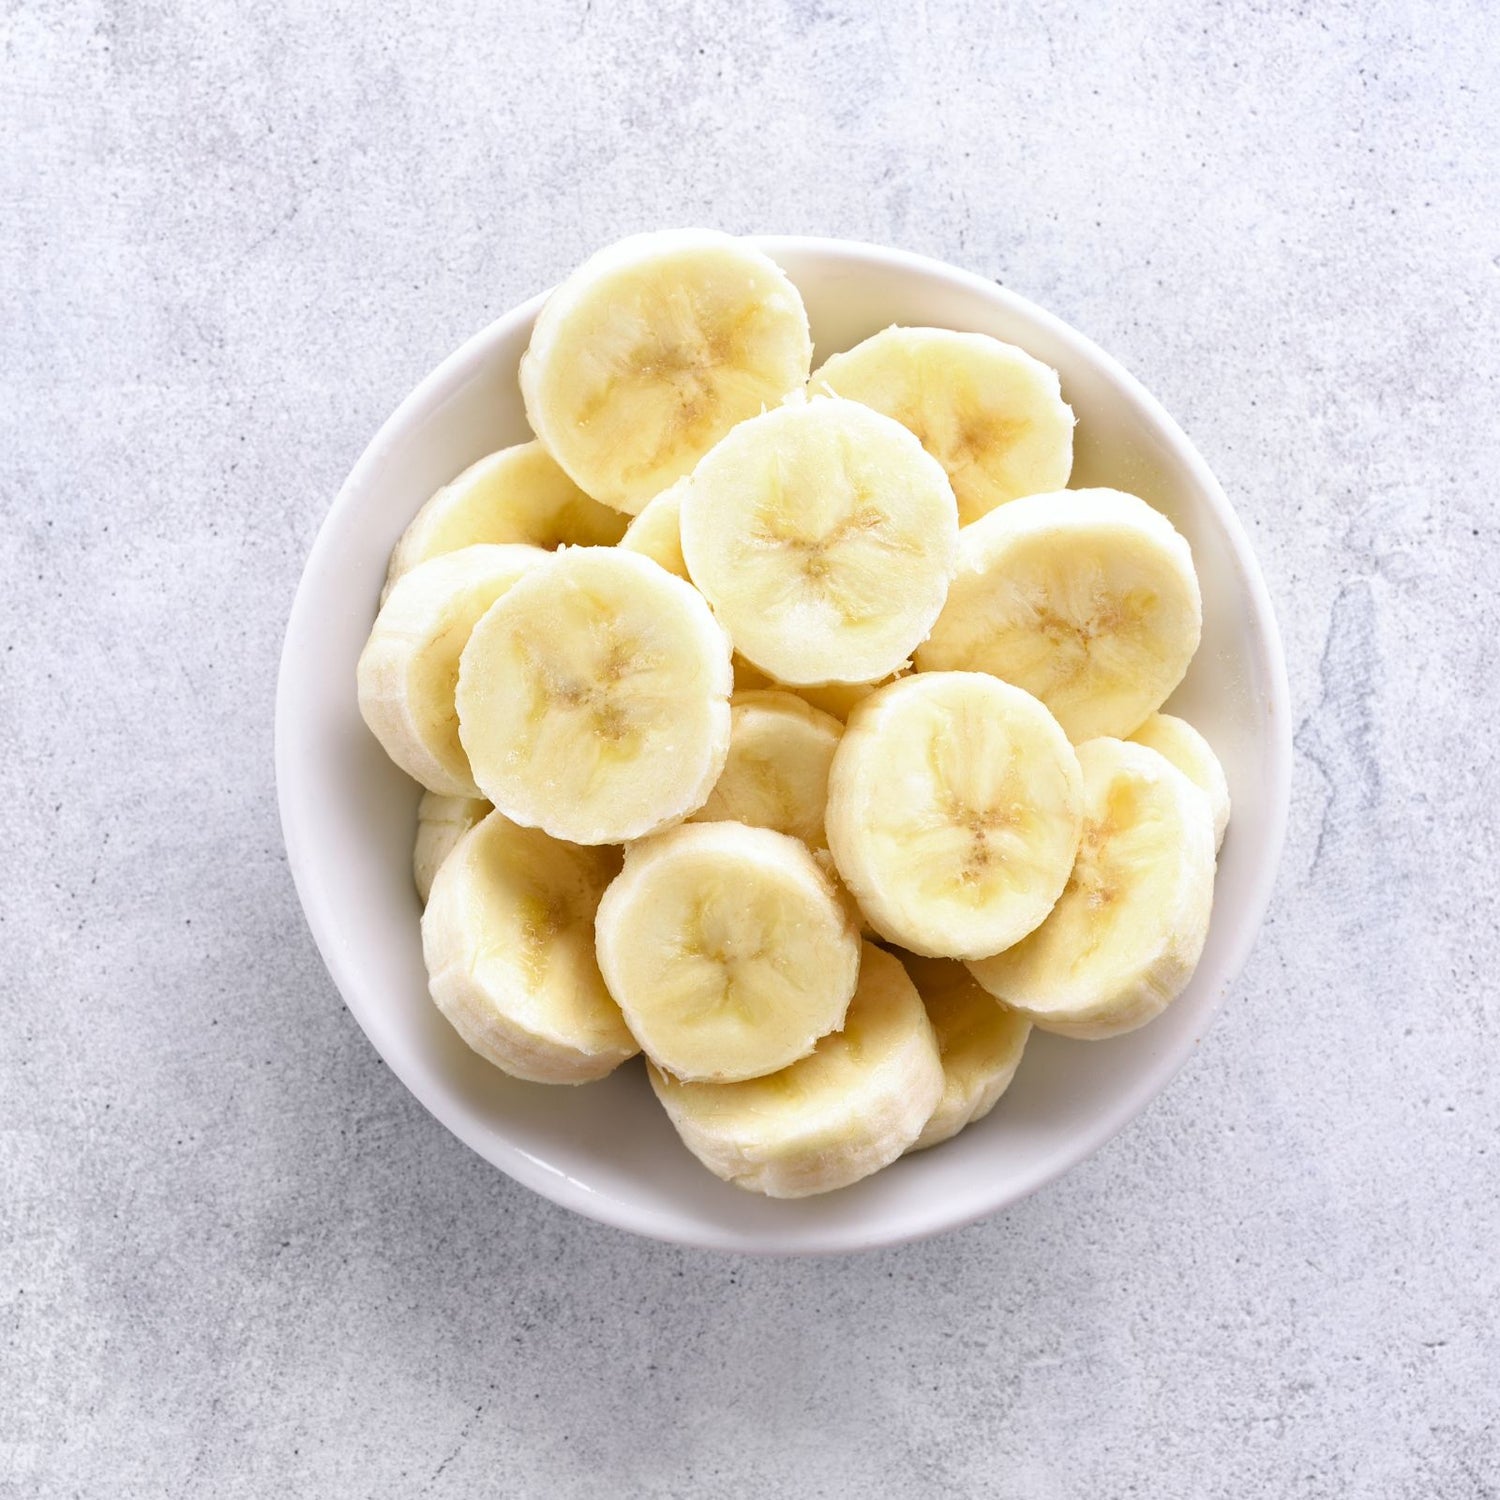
x=236, y=1259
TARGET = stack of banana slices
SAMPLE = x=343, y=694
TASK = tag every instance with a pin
x=798, y=729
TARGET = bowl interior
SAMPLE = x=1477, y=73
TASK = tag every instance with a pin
x=606, y=1149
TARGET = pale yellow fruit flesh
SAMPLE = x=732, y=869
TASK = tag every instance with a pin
x=954, y=812
x=726, y=949
x=441, y=823
x=1126, y=934
x=1066, y=886
x=855, y=916
x=408, y=671
x=776, y=773
x=516, y=495
x=749, y=678
x=657, y=533
x=847, y=1110
x=508, y=936
x=824, y=537
x=595, y=703
x=980, y=1040
x=652, y=350
x=836, y=699
x=992, y=415
x=1192, y=755
x=1086, y=598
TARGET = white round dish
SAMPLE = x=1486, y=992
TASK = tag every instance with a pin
x=606, y=1149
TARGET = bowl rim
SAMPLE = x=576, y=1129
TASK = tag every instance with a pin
x=538, y=1175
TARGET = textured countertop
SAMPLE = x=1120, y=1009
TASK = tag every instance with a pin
x=236, y=1258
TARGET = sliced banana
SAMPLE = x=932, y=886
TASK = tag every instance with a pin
x=726, y=949
x=776, y=773
x=593, y=700
x=981, y=1042
x=441, y=823
x=993, y=416
x=508, y=936
x=1194, y=757
x=857, y=918
x=516, y=495
x=409, y=666
x=652, y=350
x=748, y=678
x=656, y=533
x=848, y=1110
x=824, y=537
x=836, y=699
x=954, y=811
x=1124, y=938
x=1086, y=598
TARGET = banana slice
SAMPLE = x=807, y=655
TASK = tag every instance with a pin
x=776, y=773
x=441, y=823
x=1086, y=598
x=824, y=537
x=1194, y=757
x=726, y=949
x=748, y=678
x=836, y=699
x=652, y=350
x=1124, y=938
x=846, y=1111
x=993, y=416
x=981, y=1042
x=656, y=532
x=409, y=666
x=593, y=700
x=516, y=495
x=857, y=918
x=508, y=936
x=954, y=811
x=839, y=699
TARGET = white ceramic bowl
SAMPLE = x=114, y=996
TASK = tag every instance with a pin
x=606, y=1149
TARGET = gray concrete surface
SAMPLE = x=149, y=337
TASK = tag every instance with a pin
x=235, y=1257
